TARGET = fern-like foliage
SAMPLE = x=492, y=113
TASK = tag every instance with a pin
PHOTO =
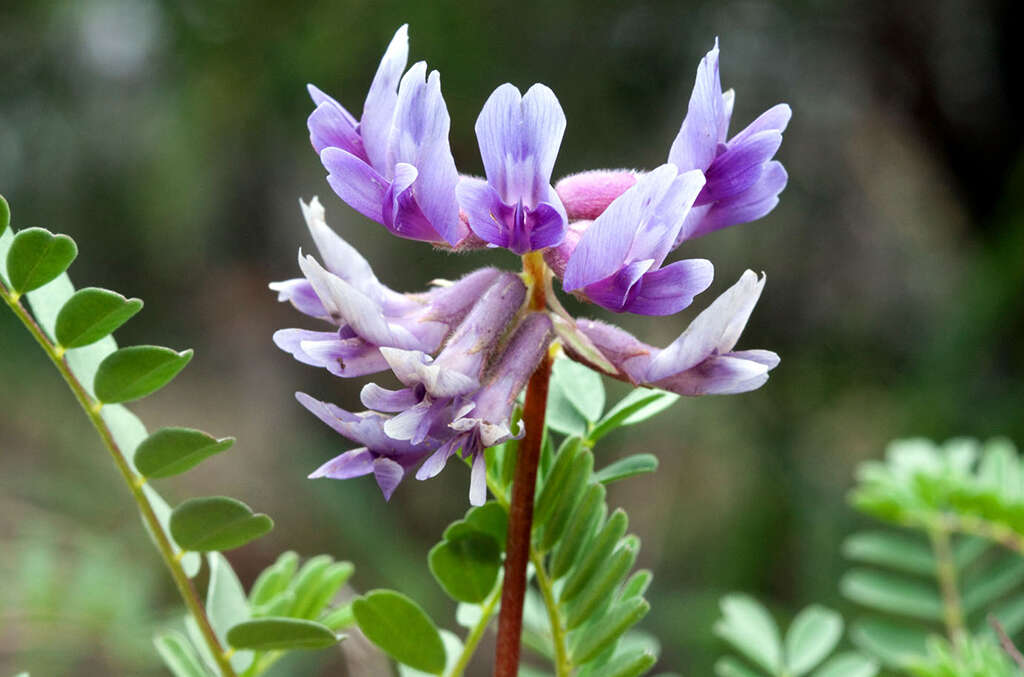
x=228, y=633
x=954, y=556
x=970, y=657
x=810, y=639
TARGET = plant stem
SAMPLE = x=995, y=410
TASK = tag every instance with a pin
x=563, y=666
x=476, y=634
x=168, y=551
x=945, y=567
x=520, y=522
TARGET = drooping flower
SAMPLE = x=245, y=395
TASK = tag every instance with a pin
x=617, y=262
x=702, y=360
x=368, y=315
x=395, y=165
x=516, y=207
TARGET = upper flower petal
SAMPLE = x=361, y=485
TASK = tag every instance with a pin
x=379, y=107
x=519, y=139
x=707, y=118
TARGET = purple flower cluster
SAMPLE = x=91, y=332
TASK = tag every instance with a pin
x=463, y=351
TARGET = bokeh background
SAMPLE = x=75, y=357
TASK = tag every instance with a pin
x=169, y=139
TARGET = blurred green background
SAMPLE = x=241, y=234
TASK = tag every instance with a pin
x=169, y=139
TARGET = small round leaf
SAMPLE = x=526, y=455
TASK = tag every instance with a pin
x=216, y=523
x=401, y=629
x=132, y=373
x=36, y=257
x=467, y=566
x=91, y=314
x=280, y=634
x=170, y=451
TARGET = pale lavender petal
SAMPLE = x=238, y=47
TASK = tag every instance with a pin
x=402, y=213
x=413, y=367
x=290, y=341
x=545, y=226
x=436, y=462
x=668, y=290
x=337, y=418
x=388, y=474
x=519, y=139
x=613, y=291
x=719, y=375
x=354, y=463
x=345, y=302
x=450, y=303
x=585, y=196
x=714, y=331
x=347, y=358
x=331, y=126
x=299, y=292
x=478, y=481
x=706, y=120
x=766, y=357
x=379, y=107
x=381, y=399
x=355, y=182
x=339, y=256
x=628, y=354
x=775, y=118
x=508, y=377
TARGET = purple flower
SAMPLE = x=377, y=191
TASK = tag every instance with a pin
x=617, y=263
x=702, y=360
x=485, y=420
x=395, y=165
x=517, y=208
x=368, y=315
x=743, y=183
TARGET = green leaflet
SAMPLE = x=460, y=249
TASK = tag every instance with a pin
x=280, y=634
x=467, y=566
x=5, y=214
x=811, y=637
x=179, y=656
x=36, y=257
x=226, y=605
x=401, y=629
x=216, y=523
x=92, y=313
x=170, y=451
x=135, y=372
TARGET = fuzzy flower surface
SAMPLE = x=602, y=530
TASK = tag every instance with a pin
x=462, y=351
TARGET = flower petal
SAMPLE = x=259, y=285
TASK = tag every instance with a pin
x=714, y=331
x=331, y=126
x=668, y=290
x=478, y=481
x=355, y=182
x=388, y=474
x=379, y=107
x=719, y=375
x=754, y=203
x=299, y=292
x=354, y=463
x=706, y=121
x=485, y=210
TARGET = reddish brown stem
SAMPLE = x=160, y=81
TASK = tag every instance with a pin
x=520, y=521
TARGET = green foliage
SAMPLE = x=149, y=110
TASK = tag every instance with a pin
x=91, y=314
x=74, y=329
x=216, y=523
x=280, y=634
x=811, y=638
x=401, y=629
x=630, y=466
x=466, y=566
x=135, y=372
x=970, y=657
x=955, y=556
x=36, y=257
x=170, y=451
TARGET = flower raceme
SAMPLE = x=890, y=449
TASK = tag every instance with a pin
x=462, y=351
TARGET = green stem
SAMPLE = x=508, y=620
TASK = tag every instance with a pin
x=92, y=407
x=563, y=665
x=945, y=569
x=476, y=633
